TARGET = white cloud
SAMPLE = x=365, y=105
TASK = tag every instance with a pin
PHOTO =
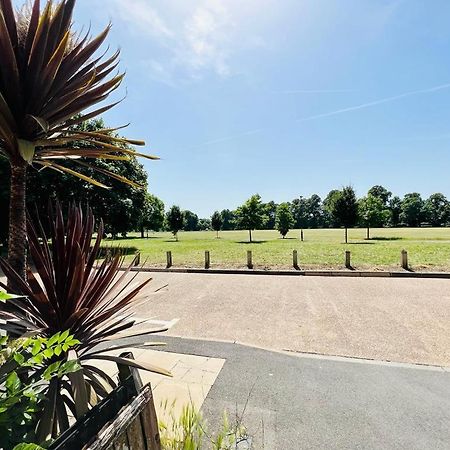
x=195, y=38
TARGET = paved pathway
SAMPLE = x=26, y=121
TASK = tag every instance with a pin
x=292, y=402
x=404, y=320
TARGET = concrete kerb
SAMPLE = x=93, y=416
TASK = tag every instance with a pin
x=311, y=273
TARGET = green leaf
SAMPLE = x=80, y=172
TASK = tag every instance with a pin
x=63, y=336
x=12, y=382
x=4, y=296
x=58, y=350
x=53, y=340
x=19, y=358
x=36, y=348
x=69, y=367
x=28, y=447
x=48, y=352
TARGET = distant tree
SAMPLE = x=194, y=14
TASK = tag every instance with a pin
x=315, y=211
x=300, y=212
x=412, y=210
x=328, y=208
x=175, y=220
x=344, y=209
x=228, y=220
x=395, y=208
x=190, y=221
x=204, y=224
x=216, y=222
x=284, y=220
x=381, y=192
x=372, y=212
x=270, y=211
x=437, y=210
x=251, y=215
x=152, y=215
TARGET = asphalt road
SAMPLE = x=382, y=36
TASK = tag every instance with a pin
x=403, y=320
x=290, y=402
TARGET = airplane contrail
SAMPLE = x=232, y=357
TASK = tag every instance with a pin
x=331, y=113
x=376, y=102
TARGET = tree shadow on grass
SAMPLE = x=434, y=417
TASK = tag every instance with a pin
x=253, y=242
x=111, y=250
x=129, y=238
x=382, y=238
x=360, y=243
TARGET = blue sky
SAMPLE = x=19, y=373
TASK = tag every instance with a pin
x=283, y=97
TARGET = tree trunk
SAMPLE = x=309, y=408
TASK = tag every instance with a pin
x=346, y=235
x=17, y=240
x=142, y=232
x=250, y=233
x=217, y=234
x=368, y=233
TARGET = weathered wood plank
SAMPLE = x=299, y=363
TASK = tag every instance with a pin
x=121, y=443
x=150, y=426
x=126, y=416
x=135, y=435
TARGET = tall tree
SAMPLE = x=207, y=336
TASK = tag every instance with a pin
x=300, y=212
x=412, y=210
x=344, y=209
x=315, y=211
x=48, y=74
x=284, y=220
x=380, y=192
x=152, y=214
x=190, y=221
x=437, y=209
x=328, y=208
x=372, y=212
x=395, y=208
x=175, y=220
x=270, y=211
x=228, y=220
x=251, y=215
x=216, y=222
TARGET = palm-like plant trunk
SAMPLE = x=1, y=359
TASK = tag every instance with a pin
x=17, y=218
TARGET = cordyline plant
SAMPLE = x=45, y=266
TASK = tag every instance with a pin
x=48, y=77
x=71, y=292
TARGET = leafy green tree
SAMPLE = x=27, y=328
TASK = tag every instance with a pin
x=251, y=215
x=344, y=209
x=372, y=212
x=175, y=220
x=228, y=220
x=315, y=211
x=190, y=221
x=284, y=220
x=300, y=212
x=216, y=222
x=380, y=192
x=437, y=210
x=152, y=215
x=328, y=208
x=395, y=208
x=412, y=209
x=204, y=224
x=270, y=211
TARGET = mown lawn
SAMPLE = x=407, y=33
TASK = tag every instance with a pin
x=428, y=248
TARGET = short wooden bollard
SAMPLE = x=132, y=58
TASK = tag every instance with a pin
x=404, y=259
x=348, y=262
x=295, y=259
x=169, y=259
x=249, y=259
x=207, y=260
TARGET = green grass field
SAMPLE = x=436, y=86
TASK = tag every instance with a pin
x=428, y=248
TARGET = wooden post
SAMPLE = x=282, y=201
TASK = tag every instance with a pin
x=404, y=259
x=301, y=234
x=127, y=371
x=169, y=259
x=249, y=259
x=207, y=260
x=295, y=259
x=348, y=263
